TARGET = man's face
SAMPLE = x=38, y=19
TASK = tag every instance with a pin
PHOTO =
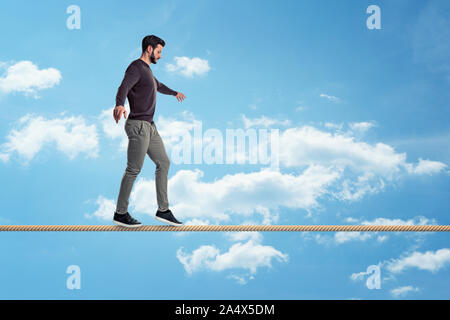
x=157, y=53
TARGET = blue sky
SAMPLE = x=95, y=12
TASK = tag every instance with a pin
x=364, y=138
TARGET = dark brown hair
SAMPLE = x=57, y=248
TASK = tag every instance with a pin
x=152, y=41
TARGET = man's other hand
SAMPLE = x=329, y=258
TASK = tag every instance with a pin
x=117, y=113
x=180, y=97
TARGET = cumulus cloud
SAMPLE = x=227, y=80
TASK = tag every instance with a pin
x=368, y=167
x=361, y=126
x=26, y=77
x=305, y=145
x=429, y=260
x=262, y=192
x=189, y=66
x=248, y=256
x=71, y=135
x=426, y=167
x=235, y=195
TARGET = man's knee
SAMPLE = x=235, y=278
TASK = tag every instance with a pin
x=163, y=164
x=132, y=170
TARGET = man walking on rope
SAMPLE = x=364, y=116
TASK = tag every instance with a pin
x=140, y=86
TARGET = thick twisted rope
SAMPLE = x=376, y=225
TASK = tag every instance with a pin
x=332, y=228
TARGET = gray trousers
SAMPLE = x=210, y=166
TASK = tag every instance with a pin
x=143, y=138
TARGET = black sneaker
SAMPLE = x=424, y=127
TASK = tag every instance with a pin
x=125, y=220
x=167, y=217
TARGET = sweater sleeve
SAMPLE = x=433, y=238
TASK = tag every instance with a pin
x=163, y=89
x=132, y=76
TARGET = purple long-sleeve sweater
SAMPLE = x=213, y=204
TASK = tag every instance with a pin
x=140, y=86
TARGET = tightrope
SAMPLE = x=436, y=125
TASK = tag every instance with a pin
x=298, y=228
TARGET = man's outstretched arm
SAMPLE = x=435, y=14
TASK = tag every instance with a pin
x=161, y=87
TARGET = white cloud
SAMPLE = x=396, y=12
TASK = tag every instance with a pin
x=261, y=192
x=195, y=261
x=403, y=291
x=263, y=121
x=249, y=256
x=430, y=261
x=330, y=98
x=368, y=166
x=306, y=145
x=189, y=66
x=71, y=135
x=361, y=126
x=24, y=76
x=426, y=167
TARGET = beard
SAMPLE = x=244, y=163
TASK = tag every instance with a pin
x=152, y=58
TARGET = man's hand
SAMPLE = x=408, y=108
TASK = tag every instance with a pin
x=180, y=97
x=117, y=113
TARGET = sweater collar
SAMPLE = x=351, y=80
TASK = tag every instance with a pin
x=144, y=62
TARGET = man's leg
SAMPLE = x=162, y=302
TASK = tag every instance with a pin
x=157, y=152
x=138, y=139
